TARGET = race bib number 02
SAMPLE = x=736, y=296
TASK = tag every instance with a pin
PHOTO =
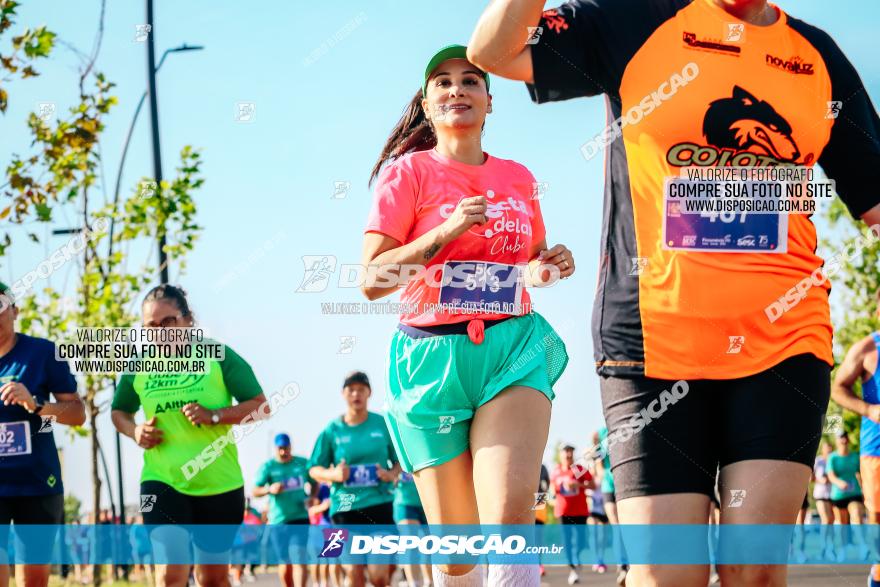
x=363, y=476
x=15, y=439
x=723, y=232
x=482, y=287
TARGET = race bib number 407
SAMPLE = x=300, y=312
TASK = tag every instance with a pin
x=482, y=287
x=723, y=232
x=15, y=439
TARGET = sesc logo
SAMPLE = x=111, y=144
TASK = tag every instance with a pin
x=334, y=542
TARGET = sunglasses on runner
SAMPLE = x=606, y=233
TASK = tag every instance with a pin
x=166, y=322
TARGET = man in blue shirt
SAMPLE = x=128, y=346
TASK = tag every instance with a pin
x=31, y=491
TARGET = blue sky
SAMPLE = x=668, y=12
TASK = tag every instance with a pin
x=321, y=117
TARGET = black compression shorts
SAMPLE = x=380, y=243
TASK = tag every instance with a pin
x=161, y=504
x=668, y=442
x=26, y=510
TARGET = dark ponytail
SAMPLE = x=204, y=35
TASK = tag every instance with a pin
x=413, y=132
x=166, y=292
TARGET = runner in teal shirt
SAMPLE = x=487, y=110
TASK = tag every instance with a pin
x=285, y=479
x=360, y=458
x=600, y=439
x=407, y=504
x=843, y=470
x=607, y=485
x=408, y=511
x=355, y=455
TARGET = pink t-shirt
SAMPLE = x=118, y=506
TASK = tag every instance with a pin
x=420, y=190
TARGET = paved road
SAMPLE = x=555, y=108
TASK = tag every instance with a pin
x=799, y=576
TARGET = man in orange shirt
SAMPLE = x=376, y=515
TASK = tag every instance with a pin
x=711, y=332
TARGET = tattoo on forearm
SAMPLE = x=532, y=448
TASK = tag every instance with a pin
x=432, y=250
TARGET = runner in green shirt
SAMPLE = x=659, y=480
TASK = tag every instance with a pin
x=285, y=479
x=408, y=511
x=603, y=465
x=843, y=471
x=407, y=505
x=191, y=473
x=354, y=453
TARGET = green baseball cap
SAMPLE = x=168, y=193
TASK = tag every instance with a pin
x=447, y=52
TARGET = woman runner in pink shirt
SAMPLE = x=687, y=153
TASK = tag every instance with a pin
x=472, y=367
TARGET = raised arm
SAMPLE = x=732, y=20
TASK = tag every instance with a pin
x=498, y=43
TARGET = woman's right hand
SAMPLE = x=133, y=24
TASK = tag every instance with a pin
x=341, y=472
x=148, y=435
x=467, y=213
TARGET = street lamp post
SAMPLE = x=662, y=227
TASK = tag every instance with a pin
x=154, y=120
x=134, y=119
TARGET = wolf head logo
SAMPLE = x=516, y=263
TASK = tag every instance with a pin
x=743, y=122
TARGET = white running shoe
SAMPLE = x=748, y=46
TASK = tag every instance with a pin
x=573, y=577
x=621, y=576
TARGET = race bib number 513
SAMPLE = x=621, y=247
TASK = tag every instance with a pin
x=482, y=287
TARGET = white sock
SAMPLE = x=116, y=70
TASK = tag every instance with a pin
x=514, y=576
x=474, y=578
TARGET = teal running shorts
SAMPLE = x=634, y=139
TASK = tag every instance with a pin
x=436, y=383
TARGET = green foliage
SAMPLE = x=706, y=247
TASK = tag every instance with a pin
x=66, y=161
x=30, y=45
x=854, y=293
x=72, y=507
x=59, y=178
x=169, y=209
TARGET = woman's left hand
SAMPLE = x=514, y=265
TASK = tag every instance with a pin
x=558, y=257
